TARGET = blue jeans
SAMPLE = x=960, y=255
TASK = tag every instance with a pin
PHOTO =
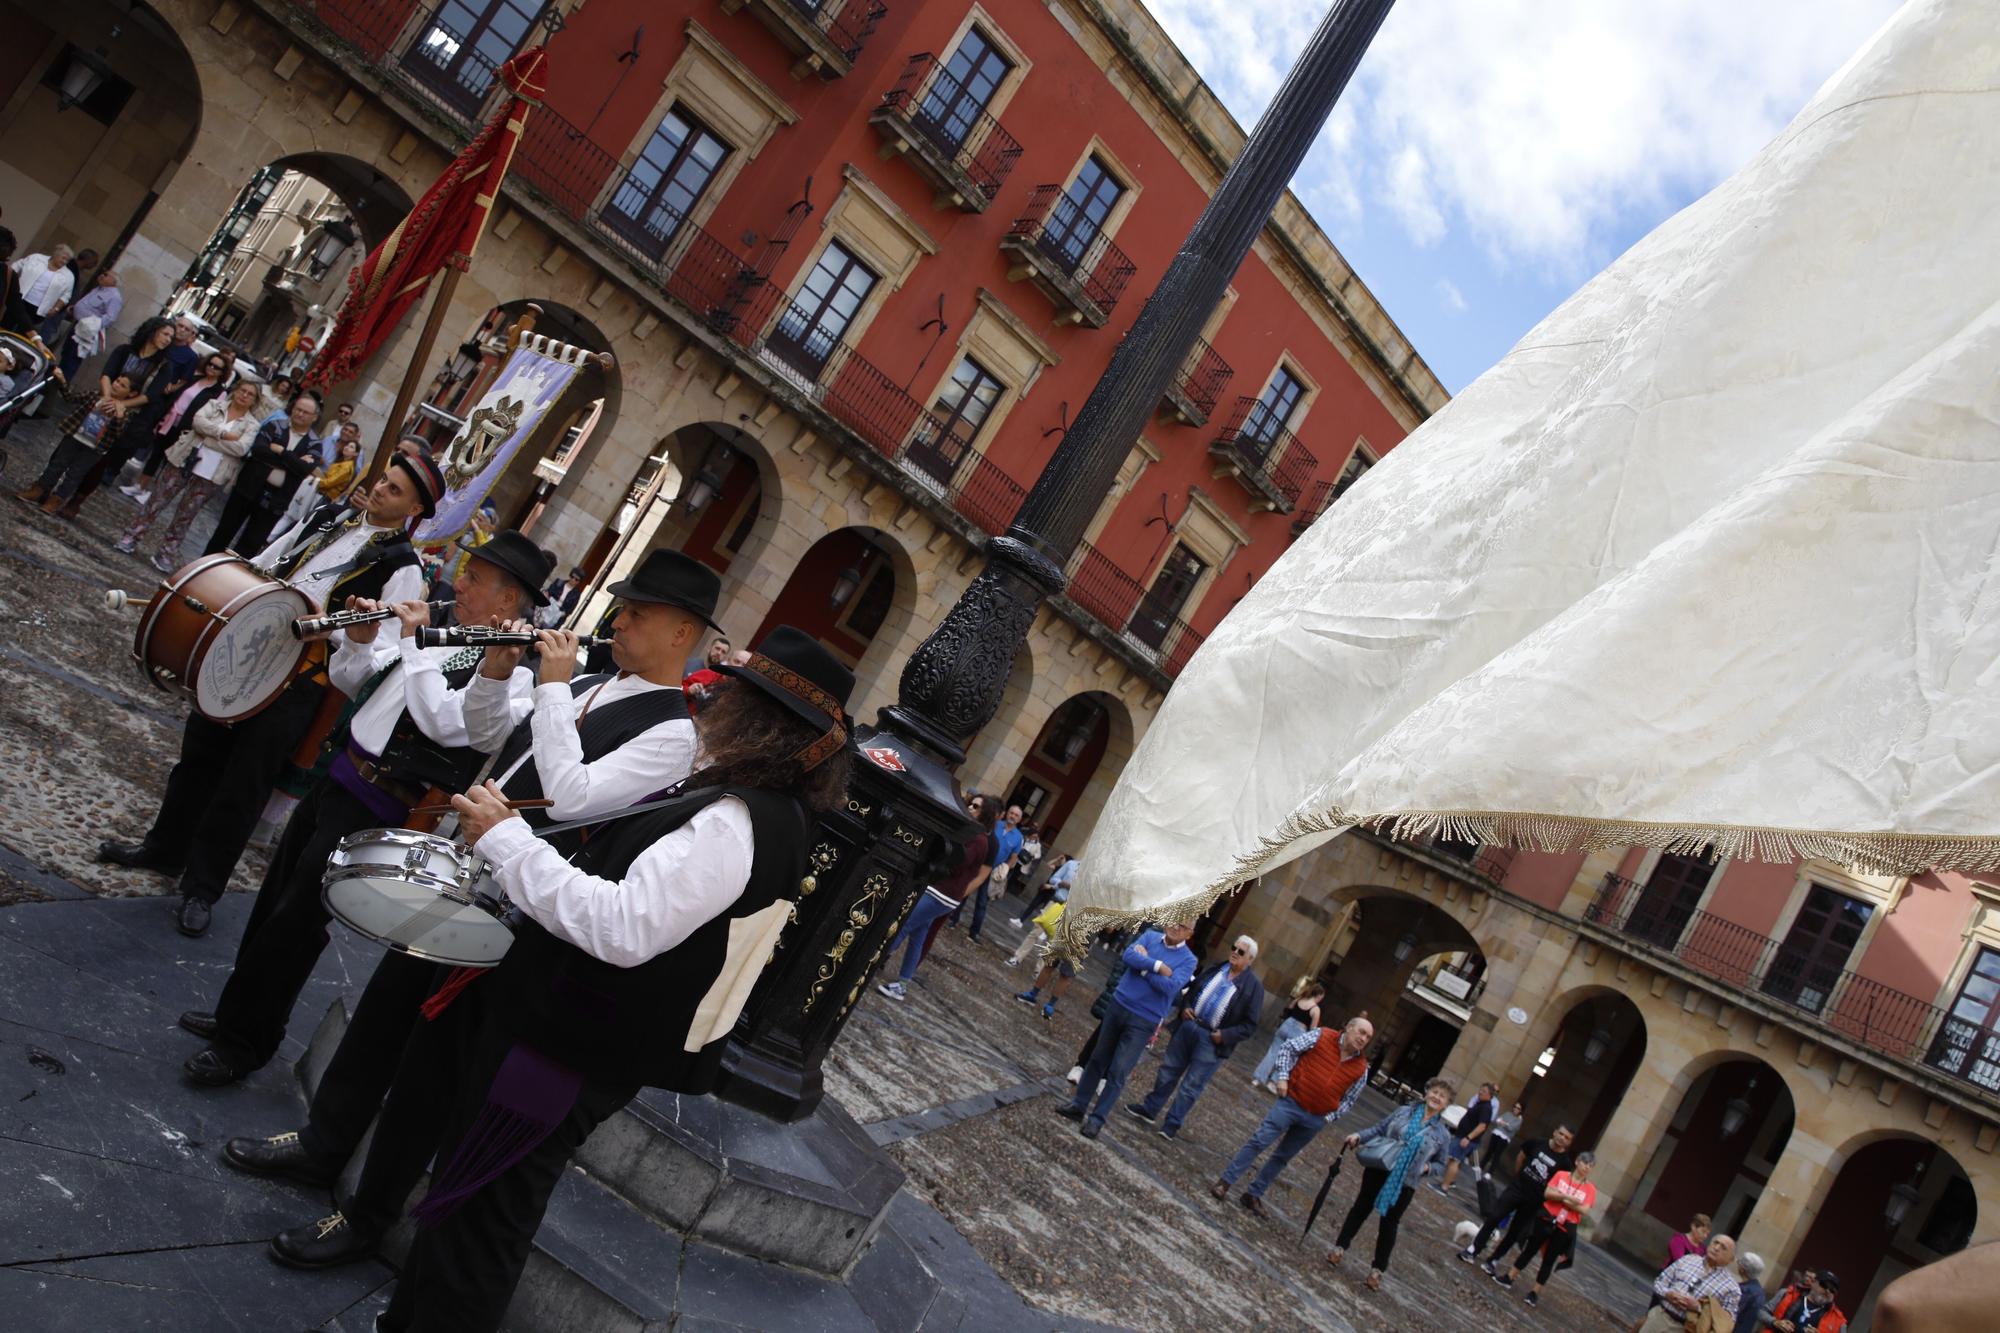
x=1191, y=1060
x=978, y=912
x=1119, y=1044
x=915, y=927
x=1291, y=1127
x=1288, y=1029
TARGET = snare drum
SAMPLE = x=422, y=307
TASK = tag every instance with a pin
x=419, y=894
x=219, y=631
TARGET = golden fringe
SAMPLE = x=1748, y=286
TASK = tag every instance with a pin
x=1877, y=853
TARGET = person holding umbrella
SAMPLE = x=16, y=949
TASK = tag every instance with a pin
x=1394, y=1156
x=1317, y=1082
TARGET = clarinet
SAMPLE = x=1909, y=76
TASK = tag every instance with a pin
x=482, y=636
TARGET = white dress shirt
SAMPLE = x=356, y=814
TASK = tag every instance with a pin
x=656, y=758
x=439, y=712
x=316, y=576
x=681, y=882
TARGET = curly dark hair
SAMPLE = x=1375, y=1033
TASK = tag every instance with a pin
x=748, y=739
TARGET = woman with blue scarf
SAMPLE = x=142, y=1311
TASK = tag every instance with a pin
x=1394, y=1155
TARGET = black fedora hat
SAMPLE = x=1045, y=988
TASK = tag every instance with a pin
x=668, y=578
x=520, y=559
x=792, y=667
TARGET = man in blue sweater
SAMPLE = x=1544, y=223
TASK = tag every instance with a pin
x=1157, y=967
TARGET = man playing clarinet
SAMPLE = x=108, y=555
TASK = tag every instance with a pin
x=217, y=789
x=593, y=746
x=406, y=733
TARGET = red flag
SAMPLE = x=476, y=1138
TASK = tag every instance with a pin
x=443, y=228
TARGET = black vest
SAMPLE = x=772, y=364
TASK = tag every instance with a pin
x=367, y=574
x=602, y=730
x=629, y=1025
x=412, y=757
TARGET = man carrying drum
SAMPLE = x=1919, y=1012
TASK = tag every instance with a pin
x=217, y=789
x=594, y=745
x=407, y=732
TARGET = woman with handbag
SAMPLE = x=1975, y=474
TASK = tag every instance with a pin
x=1394, y=1154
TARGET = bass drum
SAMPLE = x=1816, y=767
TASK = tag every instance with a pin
x=420, y=894
x=219, y=631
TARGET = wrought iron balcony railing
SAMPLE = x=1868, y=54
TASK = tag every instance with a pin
x=1267, y=459
x=1891, y=1022
x=1120, y=603
x=1062, y=251
x=1197, y=390
x=944, y=133
x=826, y=35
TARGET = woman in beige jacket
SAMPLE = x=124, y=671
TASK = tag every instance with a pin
x=201, y=463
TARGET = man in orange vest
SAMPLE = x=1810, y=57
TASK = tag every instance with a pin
x=1811, y=1310
x=1317, y=1082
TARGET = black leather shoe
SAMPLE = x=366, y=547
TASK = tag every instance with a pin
x=212, y=1069
x=137, y=856
x=327, y=1243
x=201, y=1023
x=281, y=1155
x=1068, y=1111
x=192, y=916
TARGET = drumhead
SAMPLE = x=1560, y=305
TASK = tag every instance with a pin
x=253, y=655
x=417, y=918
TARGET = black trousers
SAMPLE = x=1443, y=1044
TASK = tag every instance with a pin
x=288, y=927
x=217, y=789
x=462, y=1273
x=1363, y=1206
x=1553, y=1240
x=245, y=526
x=1523, y=1207
x=365, y=1064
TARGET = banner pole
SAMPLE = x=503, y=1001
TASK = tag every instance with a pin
x=413, y=373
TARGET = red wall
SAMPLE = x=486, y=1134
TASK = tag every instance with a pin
x=1063, y=100
x=1543, y=877
x=1064, y=785
x=805, y=601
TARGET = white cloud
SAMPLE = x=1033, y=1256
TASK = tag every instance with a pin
x=1453, y=297
x=1533, y=126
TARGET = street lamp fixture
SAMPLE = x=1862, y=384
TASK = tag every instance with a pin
x=466, y=360
x=1901, y=1199
x=845, y=586
x=1599, y=1043
x=1736, y=1112
x=706, y=483
x=83, y=76
x=1405, y=947
x=335, y=237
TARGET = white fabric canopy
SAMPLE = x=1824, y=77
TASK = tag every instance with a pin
x=1708, y=558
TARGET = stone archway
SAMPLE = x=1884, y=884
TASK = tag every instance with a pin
x=1063, y=761
x=1888, y=1202
x=1598, y=1039
x=1391, y=934
x=1732, y=1119
x=855, y=591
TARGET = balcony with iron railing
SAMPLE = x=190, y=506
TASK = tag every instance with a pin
x=1127, y=610
x=1890, y=1022
x=949, y=139
x=1267, y=460
x=826, y=35
x=1056, y=247
x=1194, y=394
x=1309, y=513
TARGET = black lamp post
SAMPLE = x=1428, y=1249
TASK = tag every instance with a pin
x=904, y=817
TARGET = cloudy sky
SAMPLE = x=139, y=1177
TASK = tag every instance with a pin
x=1492, y=155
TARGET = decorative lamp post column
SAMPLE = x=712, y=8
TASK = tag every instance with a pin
x=904, y=817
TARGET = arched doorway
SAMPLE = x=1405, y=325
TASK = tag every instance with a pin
x=1582, y=1073
x=1391, y=938
x=101, y=104
x=1897, y=1203
x=849, y=591
x=1060, y=764
x=274, y=269
x=1717, y=1154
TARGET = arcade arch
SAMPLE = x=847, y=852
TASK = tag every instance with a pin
x=855, y=591
x=1595, y=1040
x=1734, y=1116
x=1890, y=1202
x=1389, y=934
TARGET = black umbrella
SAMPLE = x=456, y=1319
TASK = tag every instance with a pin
x=1325, y=1187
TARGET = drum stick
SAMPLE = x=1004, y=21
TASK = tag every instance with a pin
x=539, y=803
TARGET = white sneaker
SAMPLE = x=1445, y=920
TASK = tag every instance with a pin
x=1012, y=962
x=893, y=989
x=140, y=498
x=1075, y=1074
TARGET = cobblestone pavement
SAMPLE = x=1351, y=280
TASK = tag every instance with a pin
x=958, y=1081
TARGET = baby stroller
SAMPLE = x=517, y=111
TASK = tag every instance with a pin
x=33, y=370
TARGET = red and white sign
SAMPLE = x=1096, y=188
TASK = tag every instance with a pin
x=884, y=757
